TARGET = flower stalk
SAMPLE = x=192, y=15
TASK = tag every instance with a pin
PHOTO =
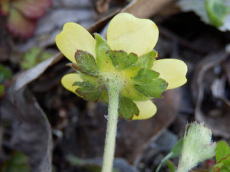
x=113, y=88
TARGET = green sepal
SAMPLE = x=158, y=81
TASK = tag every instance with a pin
x=149, y=84
x=86, y=63
x=98, y=84
x=88, y=90
x=104, y=95
x=146, y=75
x=153, y=89
x=102, y=59
x=146, y=60
x=127, y=108
x=122, y=60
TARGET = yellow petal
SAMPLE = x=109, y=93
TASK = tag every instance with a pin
x=147, y=109
x=68, y=80
x=172, y=71
x=74, y=37
x=131, y=34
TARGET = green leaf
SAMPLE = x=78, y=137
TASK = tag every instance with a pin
x=221, y=167
x=88, y=90
x=217, y=10
x=171, y=166
x=146, y=61
x=214, y=12
x=222, y=157
x=102, y=59
x=127, y=108
x=122, y=60
x=175, y=152
x=34, y=56
x=5, y=73
x=18, y=162
x=86, y=63
x=2, y=90
x=222, y=151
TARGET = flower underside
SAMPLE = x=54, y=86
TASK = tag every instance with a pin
x=127, y=57
x=139, y=82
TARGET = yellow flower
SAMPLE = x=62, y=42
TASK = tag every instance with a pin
x=130, y=34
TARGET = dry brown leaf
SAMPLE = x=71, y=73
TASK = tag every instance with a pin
x=31, y=131
x=145, y=8
x=28, y=76
x=210, y=95
x=227, y=69
x=136, y=135
x=102, y=5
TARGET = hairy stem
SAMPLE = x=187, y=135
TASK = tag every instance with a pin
x=110, y=140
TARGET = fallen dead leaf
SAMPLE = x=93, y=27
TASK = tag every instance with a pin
x=135, y=136
x=210, y=93
x=31, y=131
x=145, y=8
x=102, y=5
x=28, y=76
